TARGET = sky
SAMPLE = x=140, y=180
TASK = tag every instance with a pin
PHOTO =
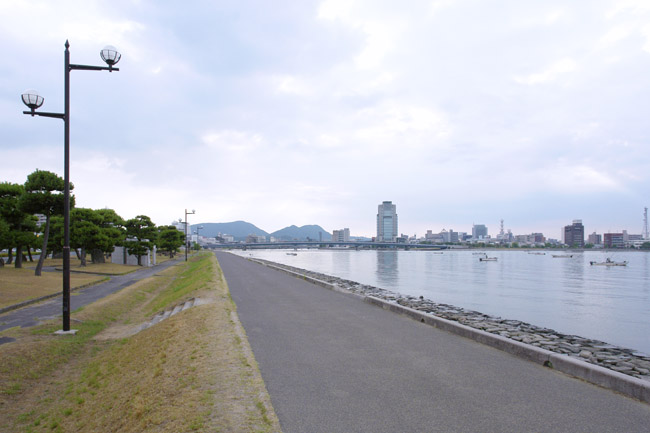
x=460, y=112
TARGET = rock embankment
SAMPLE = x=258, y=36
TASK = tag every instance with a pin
x=616, y=358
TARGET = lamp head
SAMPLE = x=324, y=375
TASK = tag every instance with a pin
x=110, y=55
x=32, y=99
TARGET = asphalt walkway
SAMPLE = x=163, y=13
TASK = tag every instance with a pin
x=333, y=363
x=34, y=314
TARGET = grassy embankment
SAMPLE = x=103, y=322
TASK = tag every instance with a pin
x=191, y=372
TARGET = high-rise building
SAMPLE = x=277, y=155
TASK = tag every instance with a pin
x=574, y=235
x=479, y=231
x=342, y=235
x=387, y=222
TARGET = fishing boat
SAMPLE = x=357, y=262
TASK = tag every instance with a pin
x=562, y=256
x=609, y=262
x=487, y=259
x=292, y=254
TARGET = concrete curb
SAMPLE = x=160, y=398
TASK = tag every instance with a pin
x=591, y=373
x=46, y=297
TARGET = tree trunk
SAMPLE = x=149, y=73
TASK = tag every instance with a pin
x=29, y=254
x=82, y=257
x=19, y=257
x=46, y=236
x=10, y=256
x=139, y=260
x=97, y=256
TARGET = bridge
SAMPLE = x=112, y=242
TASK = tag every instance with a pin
x=326, y=244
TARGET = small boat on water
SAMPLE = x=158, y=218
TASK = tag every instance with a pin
x=609, y=262
x=487, y=259
x=536, y=253
x=479, y=254
x=562, y=256
x=292, y=254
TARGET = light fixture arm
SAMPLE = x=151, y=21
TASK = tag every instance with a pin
x=93, y=68
x=45, y=114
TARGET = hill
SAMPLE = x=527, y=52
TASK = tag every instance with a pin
x=238, y=229
x=313, y=232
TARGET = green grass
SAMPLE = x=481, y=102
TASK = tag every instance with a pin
x=193, y=277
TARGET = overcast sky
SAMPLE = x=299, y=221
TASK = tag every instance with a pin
x=314, y=112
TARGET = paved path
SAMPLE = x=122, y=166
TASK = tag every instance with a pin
x=33, y=314
x=333, y=363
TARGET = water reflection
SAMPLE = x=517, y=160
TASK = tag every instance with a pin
x=341, y=263
x=386, y=272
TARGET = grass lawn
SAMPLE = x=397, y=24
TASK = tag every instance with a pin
x=191, y=372
x=18, y=285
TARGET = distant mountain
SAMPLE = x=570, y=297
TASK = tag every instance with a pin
x=238, y=229
x=312, y=232
x=241, y=229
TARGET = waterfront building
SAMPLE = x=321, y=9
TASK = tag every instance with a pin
x=342, y=235
x=479, y=231
x=386, y=222
x=533, y=239
x=595, y=239
x=538, y=238
x=224, y=238
x=449, y=236
x=614, y=240
x=255, y=239
x=574, y=235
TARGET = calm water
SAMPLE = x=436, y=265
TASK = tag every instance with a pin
x=569, y=295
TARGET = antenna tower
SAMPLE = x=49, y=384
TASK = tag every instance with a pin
x=645, y=224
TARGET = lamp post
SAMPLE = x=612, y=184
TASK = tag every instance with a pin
x=187, y=243
x=33, y=101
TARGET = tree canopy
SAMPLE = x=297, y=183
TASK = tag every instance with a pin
x=22, y=225
x=141, y=235
x=170, y=239
x=43, y=194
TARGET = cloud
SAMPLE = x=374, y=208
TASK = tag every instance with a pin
x=566, y=178
x=550, y=73
x=316, y=111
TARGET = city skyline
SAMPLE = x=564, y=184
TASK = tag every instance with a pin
x=460, y=112
x=476, y=229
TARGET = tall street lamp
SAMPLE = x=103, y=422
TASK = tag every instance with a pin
x=187, y=243
x=33, y=101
